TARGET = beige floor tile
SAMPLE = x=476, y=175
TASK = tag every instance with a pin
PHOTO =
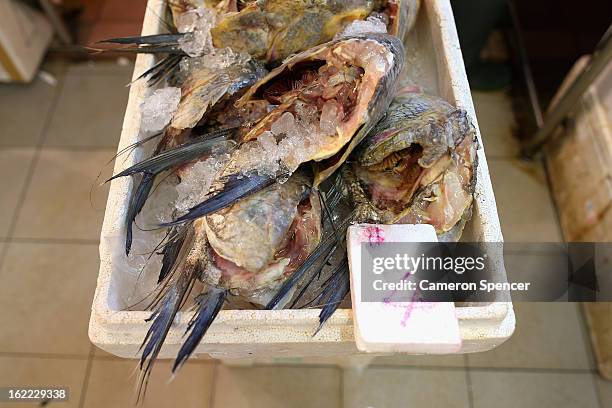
x=89, y=110
x=65, y=199
x=395, y=387
x=112, y=384
x=547, y=335
x=56, y=66
x=523, y=201
x=496, y=121
x=604, y=391
x=99, y=353
x=25, y=108
x=420, y=361
x=533, y=390
x=45, y=298
x=119, y=67
x=199, y=359
x=277, y=387
x=14, y=165
x=43, y=372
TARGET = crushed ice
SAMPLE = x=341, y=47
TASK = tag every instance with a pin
x=216, y=58
x=292, y=139
x=373, y=24
x=159, y=108
x=196, y=181
x=196, y=25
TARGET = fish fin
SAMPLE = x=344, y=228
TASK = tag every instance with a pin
x=334, y=291
x=313, y=264
x=129, y=149
x=208, y=307
x=170, y=297
x=145, y=39
x=174, y=293
x=171, y=251
x=235, y=187
x=314, y=273
x=153, y=49
x=181, y=154
x=137, y=202
x=160, y=70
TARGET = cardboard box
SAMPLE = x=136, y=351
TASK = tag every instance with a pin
x=25, y=35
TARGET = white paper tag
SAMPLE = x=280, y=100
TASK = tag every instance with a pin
x=394, y=327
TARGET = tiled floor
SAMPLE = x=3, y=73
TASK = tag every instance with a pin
x=54, y=143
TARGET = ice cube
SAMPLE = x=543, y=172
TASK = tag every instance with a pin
x=196, y=25
x=329, y=117
x=284, y=125
x=196, y=181
x=268, y=142
x=372, y=24
x=158, y=108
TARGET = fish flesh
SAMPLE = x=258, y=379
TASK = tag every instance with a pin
x=267, y=30
x=202, y=90
x=245, y=251
x=416, y=166
x=419, y=164
x=323, y=103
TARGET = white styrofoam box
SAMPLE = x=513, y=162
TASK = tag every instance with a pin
x=24, y=37
x=265, y=334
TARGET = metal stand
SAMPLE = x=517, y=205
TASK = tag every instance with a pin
x=601, y=57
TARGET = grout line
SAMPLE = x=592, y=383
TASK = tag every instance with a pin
x=64, y=241
x=87, y=376
x=341, y=387
x=127, y=74
x=598, y=393
x=213, y=385
x=26, y=147
x=61, y=148
x=32, y=166
x=448, y=368
x=492, y=369
x=136, y=359
x=109, y=148
x=46, y=356
x=468, y=382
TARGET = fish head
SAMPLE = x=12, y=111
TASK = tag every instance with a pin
x=257, y=240
x=347, y=84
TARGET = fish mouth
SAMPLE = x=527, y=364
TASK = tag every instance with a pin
x=408, y=193
x=392, y=183
x=418, y=164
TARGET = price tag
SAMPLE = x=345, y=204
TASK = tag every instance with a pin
x=391, y=326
